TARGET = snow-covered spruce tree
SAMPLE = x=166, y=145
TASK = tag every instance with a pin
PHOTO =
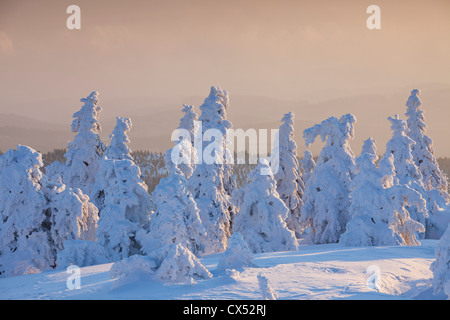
x=178, y=264
x=367, y=199
x=73, y=216
x=289, y=180
x=176, y=218
x=85, y=151
x=121, y=197
x=422, y=151
x=307, y=165
x=188, y=122
x=406, y=171
x=262, y=216
x=24, y=230
x=377, y=209
x=441, y=266
x=326, y=195
x=37, y=216
x=237, y=255
x=118, y=148
x=211, y=181
x=173, y=264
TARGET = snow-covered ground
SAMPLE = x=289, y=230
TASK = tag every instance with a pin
x=329, y=271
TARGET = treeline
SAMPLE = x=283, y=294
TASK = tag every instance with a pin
x=153, y=168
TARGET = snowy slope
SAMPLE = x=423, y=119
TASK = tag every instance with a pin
x=329, y=271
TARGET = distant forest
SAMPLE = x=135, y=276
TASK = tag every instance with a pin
x=153, y=170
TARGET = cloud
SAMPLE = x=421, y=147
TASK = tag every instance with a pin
x=6, y=46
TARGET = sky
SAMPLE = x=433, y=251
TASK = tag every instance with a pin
x=285, y=49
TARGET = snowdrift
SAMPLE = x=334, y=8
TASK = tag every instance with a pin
x=327, y=271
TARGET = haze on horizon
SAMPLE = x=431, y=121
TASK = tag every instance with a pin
x=155, y=55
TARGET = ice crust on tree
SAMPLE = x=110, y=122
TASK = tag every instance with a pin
x=288, y=177
x=377, y=210
x=211, y=184
x=121, y=197
x=326, y=195
x=262, y=216
x=37, y=215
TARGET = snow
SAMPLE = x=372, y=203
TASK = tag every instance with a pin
x=326, y=271
x=206, y=239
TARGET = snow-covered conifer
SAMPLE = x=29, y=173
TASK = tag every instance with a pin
x=176, y=218
x=441, y=266
x=37, y=215
x=211, y=183
x=24, y=228
x=73, y=216
x=179, y=264
x=422, y=151
x=377, y=211
x=326, y=195
x=188, y=160
x=262, y=216
x=118, y=148
x=307, y=165
x=188, y=121
x=289, y=180
x=237, y=255
x=121, y=197
x=81, y=253
x=85, y=151
x=173, y=264
x=407, y=173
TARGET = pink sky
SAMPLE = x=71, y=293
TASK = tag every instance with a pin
x=296, y=50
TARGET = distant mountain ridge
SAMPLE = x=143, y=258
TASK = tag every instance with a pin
x=154, y=120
